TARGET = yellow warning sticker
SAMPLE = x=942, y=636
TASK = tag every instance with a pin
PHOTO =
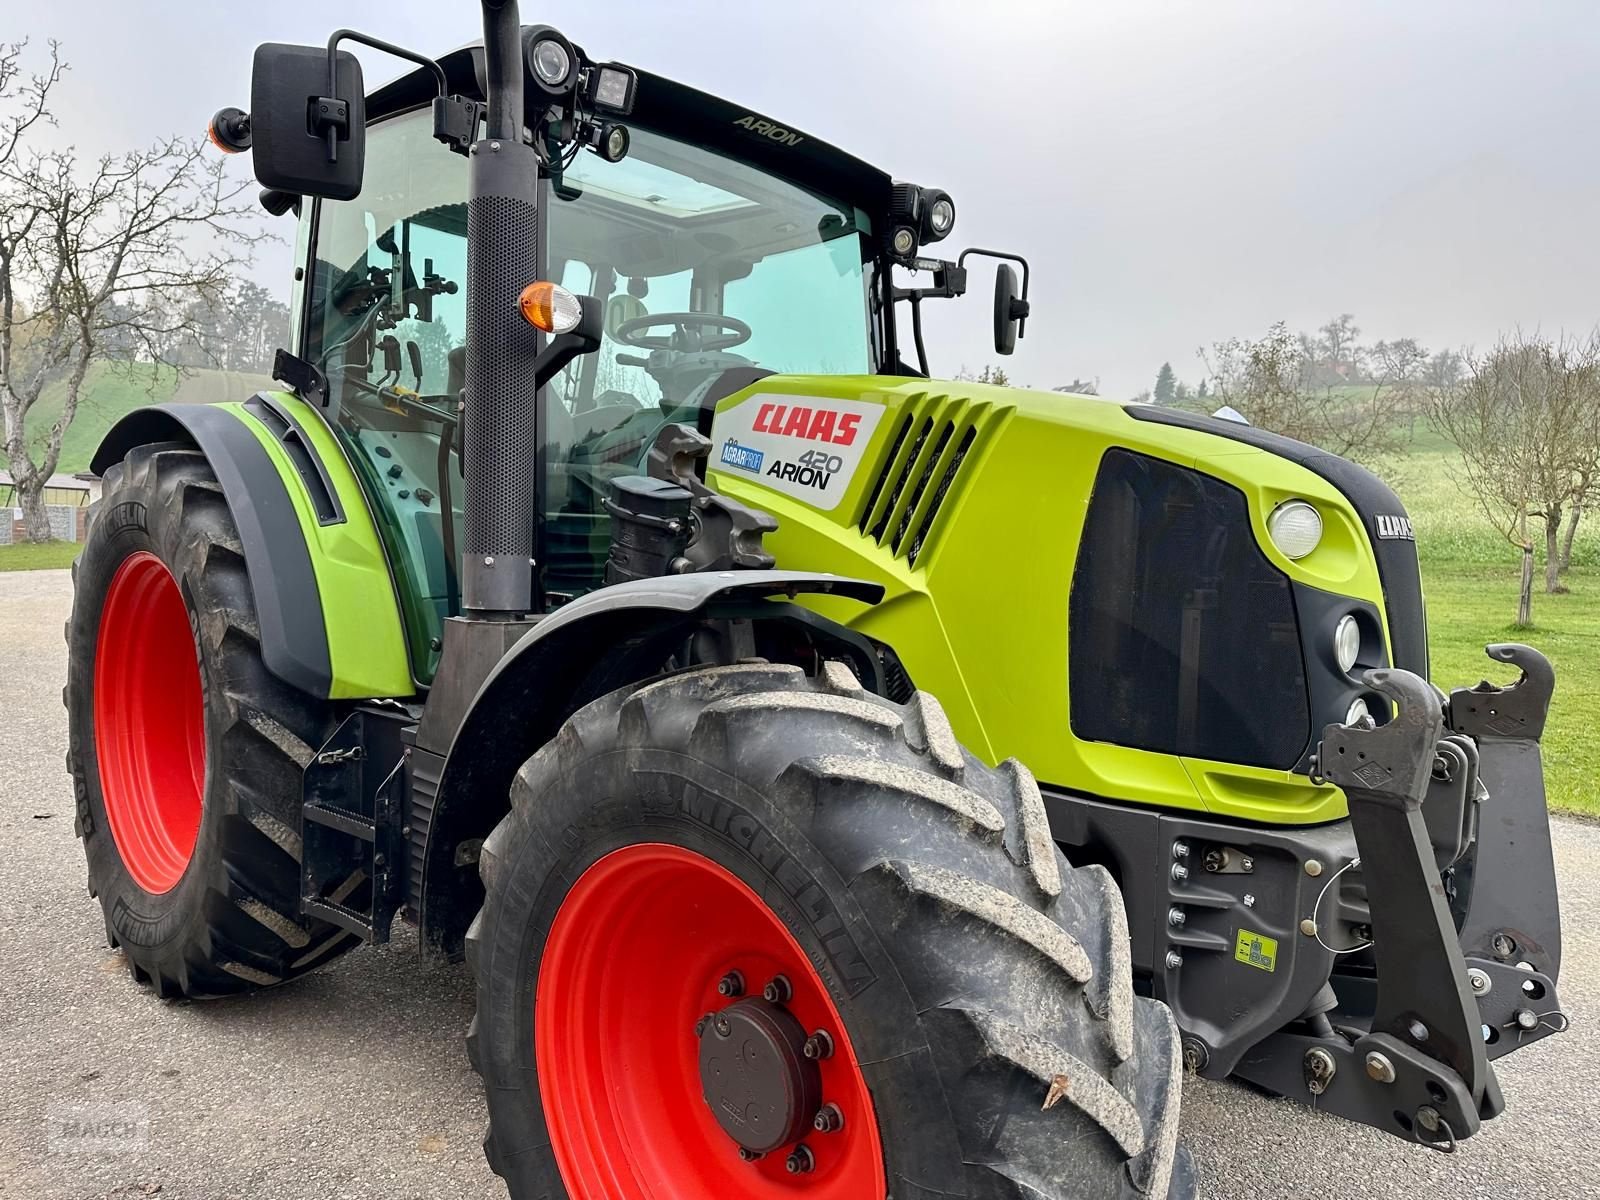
x=1256, y=950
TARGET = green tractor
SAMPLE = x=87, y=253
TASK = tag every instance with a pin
x=583, y=598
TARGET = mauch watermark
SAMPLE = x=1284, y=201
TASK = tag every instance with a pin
x=97, y=1127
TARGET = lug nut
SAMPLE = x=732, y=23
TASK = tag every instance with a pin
x=777, y=990
x=731, y=985
x=828, y=1119
x=819, y=1045
x=800, y=1161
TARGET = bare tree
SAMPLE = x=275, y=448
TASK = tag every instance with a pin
x=95, y=254
x=1523, y=416
x=1339, y=351
x=1589, y=487
x=1586, y=488
x=1298, y=386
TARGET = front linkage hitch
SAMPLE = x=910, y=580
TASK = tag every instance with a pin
x=1511, y=922
x=1422, y=1067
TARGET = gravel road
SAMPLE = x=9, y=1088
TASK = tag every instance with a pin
x=353, y=1082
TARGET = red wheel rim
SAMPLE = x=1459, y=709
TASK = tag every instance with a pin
x=149, y=723
x=632, y=962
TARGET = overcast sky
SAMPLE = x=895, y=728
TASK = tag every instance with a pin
x=1176, y=173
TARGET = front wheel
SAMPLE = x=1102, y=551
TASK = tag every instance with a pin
x=186, y=754
x=749, y=933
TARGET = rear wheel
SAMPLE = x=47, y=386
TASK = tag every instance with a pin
x=748, y=933
x=185, y=753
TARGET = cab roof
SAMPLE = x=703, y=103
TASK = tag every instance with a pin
x=689, y=114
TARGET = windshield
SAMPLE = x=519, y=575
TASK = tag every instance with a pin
x=712, y=273
x=675, y=229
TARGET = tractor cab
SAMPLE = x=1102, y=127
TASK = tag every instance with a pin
x=718, y=247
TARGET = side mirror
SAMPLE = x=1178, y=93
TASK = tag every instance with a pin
x=307, y=139
x=1009, y=309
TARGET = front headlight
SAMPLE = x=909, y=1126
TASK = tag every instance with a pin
x=1295, y=528
x=1347, y=642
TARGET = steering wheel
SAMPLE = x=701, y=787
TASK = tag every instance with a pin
x=632, y=333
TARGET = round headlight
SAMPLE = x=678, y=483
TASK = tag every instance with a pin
x=614, y=144
x=1347, y=641
x=905, y=241
x=1295, y=528
x=551, y=62
x=1359, y=713
x=942, y=216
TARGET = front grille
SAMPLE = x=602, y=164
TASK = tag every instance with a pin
x=1182, y=633
x=922, y=473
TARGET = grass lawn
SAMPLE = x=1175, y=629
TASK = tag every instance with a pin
x=1470, y=574
x=25, y=556
x=1470, y=606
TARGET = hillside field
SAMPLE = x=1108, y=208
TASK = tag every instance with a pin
x=113, y=389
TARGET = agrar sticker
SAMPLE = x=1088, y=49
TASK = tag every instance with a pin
x=803, y=446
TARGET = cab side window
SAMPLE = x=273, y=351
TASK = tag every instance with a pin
x=386, y=324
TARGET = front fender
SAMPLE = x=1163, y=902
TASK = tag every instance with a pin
x=603, y=641
x=325, y=603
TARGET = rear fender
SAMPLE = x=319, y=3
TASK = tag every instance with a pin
x=325, y=601
x=606, y=640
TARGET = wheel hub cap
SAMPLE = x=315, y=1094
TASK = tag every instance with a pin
x=754, y=1073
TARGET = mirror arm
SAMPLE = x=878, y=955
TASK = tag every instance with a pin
x=331, y=124
x=1019, y=307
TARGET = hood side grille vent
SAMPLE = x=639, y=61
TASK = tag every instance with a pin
x=922, y=471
